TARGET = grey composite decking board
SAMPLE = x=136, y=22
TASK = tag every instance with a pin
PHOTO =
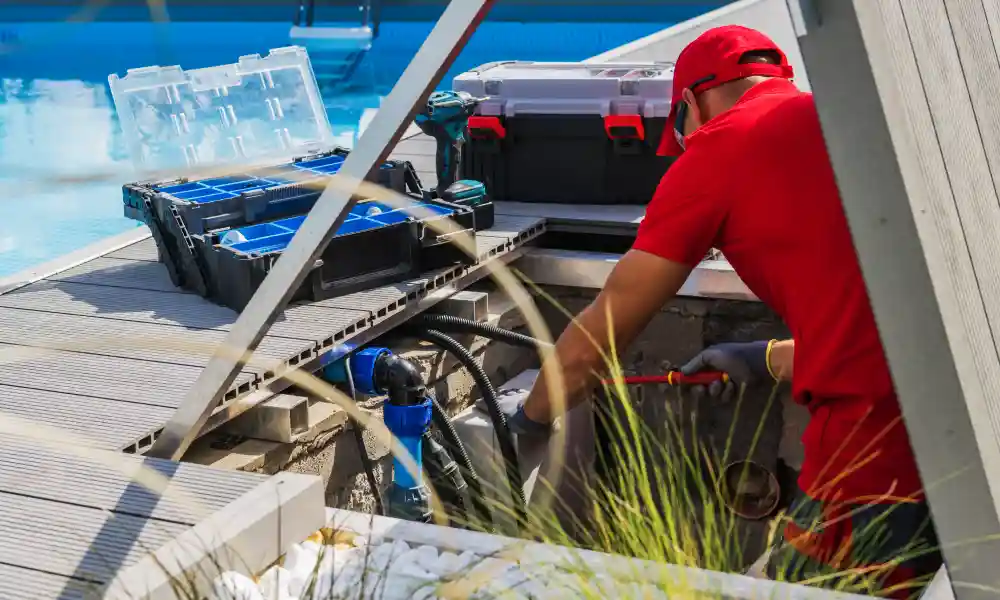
x=17, y=583
x=420, y=150
x=161, y=308
x=142, y=250
x=506, y=233
x=420, y=162
x=487, y=247
x=70, y=521
x=427, y=178
x=512, y=227
x=75, y=541
x=142, y=341
x=29, y=468
x=96, y=422
x=129, y=274
x=95, y=375
x=420, y=145
x=373, y=301
x=95, y=384
x=620, y=214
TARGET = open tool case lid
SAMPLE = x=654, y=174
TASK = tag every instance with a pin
x=516, y=88
x=260, y=108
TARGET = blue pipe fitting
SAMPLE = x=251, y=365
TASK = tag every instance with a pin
x=406, y=413
x=408, y=424
x=362, y=369
x=409, y=498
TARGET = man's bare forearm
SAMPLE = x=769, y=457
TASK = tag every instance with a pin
x=781, y=360
x=639, y=285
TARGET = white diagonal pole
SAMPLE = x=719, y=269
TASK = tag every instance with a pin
x=435, y=57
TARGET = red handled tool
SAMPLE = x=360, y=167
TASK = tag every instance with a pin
x=677, y=378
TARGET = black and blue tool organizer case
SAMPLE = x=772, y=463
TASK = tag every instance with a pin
x=220, y=237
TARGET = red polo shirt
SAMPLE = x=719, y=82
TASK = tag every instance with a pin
x=756, y=183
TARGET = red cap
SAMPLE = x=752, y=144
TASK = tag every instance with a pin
x=714, y=59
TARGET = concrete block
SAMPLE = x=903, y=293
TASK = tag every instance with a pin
x=467, y=304
x=795, y=417
x=288, y=418
x=670, y=340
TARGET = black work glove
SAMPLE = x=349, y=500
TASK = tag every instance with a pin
x=744, y=362
x=512, y=406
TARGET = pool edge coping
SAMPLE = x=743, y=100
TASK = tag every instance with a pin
x=100, y=248
x=75, y=258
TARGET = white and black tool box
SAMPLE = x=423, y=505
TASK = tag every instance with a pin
x=567, y=132
x=249, y=150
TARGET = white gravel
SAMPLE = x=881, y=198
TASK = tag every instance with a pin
x=395, y=571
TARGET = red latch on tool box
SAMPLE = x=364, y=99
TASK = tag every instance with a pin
x=627, y=127
x=486, y=128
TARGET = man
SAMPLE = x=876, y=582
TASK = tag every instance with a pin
x=753, y=180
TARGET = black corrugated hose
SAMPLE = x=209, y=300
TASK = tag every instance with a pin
x=453, y=446
x=489, y=394
x=359, y=434
x=452, y=324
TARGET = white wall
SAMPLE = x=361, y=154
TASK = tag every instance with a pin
x=768, y=16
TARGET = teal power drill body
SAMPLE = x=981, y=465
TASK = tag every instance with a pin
x=445, y=119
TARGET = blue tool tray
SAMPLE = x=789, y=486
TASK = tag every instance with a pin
x=178, y=209
x=375, y=245
x=257, y=195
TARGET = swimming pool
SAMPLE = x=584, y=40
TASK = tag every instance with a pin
x=57, y=117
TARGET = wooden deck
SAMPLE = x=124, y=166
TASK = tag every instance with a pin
x=111, y=346
x=73, y=520
x=98, y=352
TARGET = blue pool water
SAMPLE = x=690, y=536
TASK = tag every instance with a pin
x=57, y=117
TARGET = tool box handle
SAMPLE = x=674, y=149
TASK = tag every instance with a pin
x=586, y=65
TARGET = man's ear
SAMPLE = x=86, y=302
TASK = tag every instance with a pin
x=694, y=116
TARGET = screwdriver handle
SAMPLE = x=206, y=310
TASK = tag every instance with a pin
x=703, y=378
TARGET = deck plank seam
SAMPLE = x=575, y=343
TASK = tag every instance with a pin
x=155, y=323
x=178, y=291
x=110, y=511
x=74, y=576
x=85, y=395
x=92, y=353
x=306, y=343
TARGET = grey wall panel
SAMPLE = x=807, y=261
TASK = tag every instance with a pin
x=903, y=91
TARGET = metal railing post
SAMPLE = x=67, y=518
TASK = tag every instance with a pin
x=431, y=62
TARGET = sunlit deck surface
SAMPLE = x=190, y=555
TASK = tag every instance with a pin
x=101, y=353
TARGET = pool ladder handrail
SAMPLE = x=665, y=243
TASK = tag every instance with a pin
x=371, y=14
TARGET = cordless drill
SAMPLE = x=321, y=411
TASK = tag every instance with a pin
x=445, y=119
